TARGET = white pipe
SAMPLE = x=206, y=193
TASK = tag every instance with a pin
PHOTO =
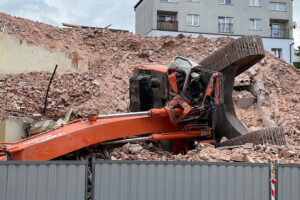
x=123, y=114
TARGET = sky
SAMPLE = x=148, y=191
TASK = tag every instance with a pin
x=100, y=13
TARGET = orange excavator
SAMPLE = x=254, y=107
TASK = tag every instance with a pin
x=171, y=105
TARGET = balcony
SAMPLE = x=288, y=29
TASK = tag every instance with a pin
x=167, y=26
x=279, y=32
x=225, y=27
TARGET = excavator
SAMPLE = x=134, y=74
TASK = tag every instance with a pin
x=172, y=106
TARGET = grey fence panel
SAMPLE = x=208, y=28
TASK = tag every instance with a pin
x=51, y=180
x=136, y=180
x=287, y=182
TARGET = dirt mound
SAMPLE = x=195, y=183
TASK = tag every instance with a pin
x=111, y=57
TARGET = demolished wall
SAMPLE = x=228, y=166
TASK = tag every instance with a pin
x=16, y=56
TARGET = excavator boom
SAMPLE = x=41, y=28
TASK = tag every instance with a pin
x=90, y=131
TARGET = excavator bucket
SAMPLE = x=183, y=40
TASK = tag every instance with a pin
x=232, y=60
x=273, y=135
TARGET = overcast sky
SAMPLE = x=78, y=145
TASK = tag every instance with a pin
x=100, y=13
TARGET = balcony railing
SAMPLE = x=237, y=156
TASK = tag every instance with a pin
x=225, y=27
x=279, y=33
x=168, y=26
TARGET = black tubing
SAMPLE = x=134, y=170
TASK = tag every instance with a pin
x=8, y=153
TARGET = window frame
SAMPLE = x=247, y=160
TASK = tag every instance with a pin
x=225, y=24
x=277, y=52
x=231, y=2
x=277, y=6
x=187, y=20
x=254, y=4
x=277, y=34
x=172, y=18
x=169, y=1
x=194, y=1
x=254, y=24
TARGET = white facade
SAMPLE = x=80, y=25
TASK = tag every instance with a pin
x=270, y=19
x=286, y=45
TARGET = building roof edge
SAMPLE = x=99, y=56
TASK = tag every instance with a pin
x=138, y=3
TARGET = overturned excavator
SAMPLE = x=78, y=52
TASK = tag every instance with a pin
x=150, y=88
x=171, y=106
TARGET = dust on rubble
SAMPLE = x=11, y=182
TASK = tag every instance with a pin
x=202, y=153
x=104, y=88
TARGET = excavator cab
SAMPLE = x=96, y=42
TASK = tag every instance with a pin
x=193, y=92
x=188, y=80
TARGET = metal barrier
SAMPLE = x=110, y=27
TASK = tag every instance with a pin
x=153, y=180
x=287, y=181
x=55, y=180
x=179, y=180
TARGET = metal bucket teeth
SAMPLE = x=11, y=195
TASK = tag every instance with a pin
x=274, y=135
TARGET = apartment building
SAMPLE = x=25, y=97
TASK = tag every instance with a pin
x=271, y=19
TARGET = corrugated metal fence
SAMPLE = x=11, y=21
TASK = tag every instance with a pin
x=130, y=180
x=51, y=180
x=146, y=180
x=287, y=182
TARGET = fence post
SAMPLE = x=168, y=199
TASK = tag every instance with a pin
x=276, y=180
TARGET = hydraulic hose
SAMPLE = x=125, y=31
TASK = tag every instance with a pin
x=8, y=153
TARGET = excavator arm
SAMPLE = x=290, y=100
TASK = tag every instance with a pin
x=90, y=131
x=98, y=129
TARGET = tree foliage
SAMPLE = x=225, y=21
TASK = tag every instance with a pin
x=298, y=54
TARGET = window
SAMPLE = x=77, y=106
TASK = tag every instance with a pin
x=254, y=2
x=227, y=2
x=169, y=1
x=277, y=52
x=255, y=24
x=166, y=18
x=275, y=30
x=193, y=20
x=196, y=1
x=225, y=24
x=277, y=6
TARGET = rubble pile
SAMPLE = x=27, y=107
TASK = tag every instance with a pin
x=275, y=86
x=202, y=153
x=104, y=88
x=111, y=57
x=208, y=153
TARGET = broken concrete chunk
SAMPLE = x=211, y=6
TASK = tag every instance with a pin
x=286, y=153
x=60, y=122
x=42, y=126
x=249, y=159
x=135, y=148
x=224, y=158
x=65, y=98
x=36, y=116
x=237, y=157
x=21, y=83
x=248, y=146
x=125, y=148
x=95, y=82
